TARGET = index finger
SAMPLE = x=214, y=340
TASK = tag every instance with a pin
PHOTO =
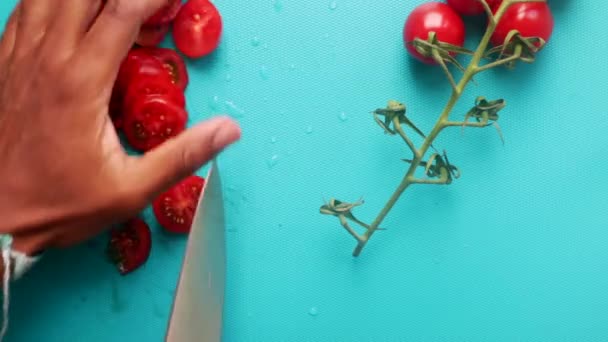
x=114, y=32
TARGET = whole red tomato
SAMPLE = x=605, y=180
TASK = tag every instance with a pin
x=433, y=17
x=197, y=29
x=470, y=7
x=531, y=19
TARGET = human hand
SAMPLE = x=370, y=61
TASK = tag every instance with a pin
x=64, y=176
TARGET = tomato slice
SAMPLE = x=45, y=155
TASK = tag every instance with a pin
x=152, y=35
x=129, y=246
x=136, y=64
x=152, y=120
x=115, y=109
x=197, y=29
x=174, y=64
x=174, y=209
x=145, y=85
x=165, y=14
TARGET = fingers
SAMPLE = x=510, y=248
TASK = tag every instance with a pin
x=176, y=159
x=34, y=19
x=7, y=42
x=71, y=23
x=115, y=30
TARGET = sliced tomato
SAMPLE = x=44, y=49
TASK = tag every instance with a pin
x=174, y=210
x=144, y=85
x=197, y=29
x=165, y=14
x=136, y=64
x=129, y=246
x=152, y=120
x=152, y=35
x=174, y=64
x=115, y=109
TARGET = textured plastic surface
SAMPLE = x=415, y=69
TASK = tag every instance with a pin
x=517, y=248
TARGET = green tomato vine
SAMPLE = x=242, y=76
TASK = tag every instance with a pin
x=393, y=119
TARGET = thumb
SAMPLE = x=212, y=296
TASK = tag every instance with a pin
x=180, y=157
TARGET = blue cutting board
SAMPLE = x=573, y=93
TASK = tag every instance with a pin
x=517, y=249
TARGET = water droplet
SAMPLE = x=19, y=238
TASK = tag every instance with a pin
x=272, y=162
x=233, y=109
x=255, y=41
x=273, y=140
x=343, y=117
x=333, y=5
x=265, y=46
x=278, y=5
x=214, y=103
x=228, y=77
x=280, y=226
x=313, y=311
x=309, y=130
x=326, y=35
x=292, y=67
x=264, y=73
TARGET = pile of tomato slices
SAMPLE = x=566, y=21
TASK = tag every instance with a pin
x=529, y=18
x=148, y=106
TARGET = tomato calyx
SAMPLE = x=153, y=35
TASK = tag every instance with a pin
x=516, y=47
x=439, y=51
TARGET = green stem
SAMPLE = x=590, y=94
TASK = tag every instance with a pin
x=441, y=123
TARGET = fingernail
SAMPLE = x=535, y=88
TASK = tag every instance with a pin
x=227, y=133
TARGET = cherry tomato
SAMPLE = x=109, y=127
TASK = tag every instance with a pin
x=152, y=35
x=174, y=64
x=165, y=14
x=433, y=17
x=470, y=7
x=156, y=85
x=531, y=19
x=152, y=120
x=174, y=210
x=129, y=246
x=138, y=62
x=197, y=29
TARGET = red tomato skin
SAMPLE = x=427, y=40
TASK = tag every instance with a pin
x=173, y=63
x=470, y=7
x=433, y=17
x=152, y=35
x=151, y=121
x=136, y=62
x=531, y=19
x=174, y=210
x=129, y=246
x=165, y=14
x=197, y=29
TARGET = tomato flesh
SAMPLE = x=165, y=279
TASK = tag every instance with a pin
x=165, y=14
x=173, y=63
x=152, y=35
x=151, y=121
x=174, y=210
x=144, y=86
x=197, y=29
x=129, y=246
x=531, y=19
x=433, y=17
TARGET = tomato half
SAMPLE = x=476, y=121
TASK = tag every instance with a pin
x=136, y=64
x=129, y=246
x=152, y=35
x=165, y=14
x=470, y=7
x=174, y=64
x=152, y=120
x=433, y=17
x=161, y=86
x=174, y=210
x=197, y=29
x=531, y=19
